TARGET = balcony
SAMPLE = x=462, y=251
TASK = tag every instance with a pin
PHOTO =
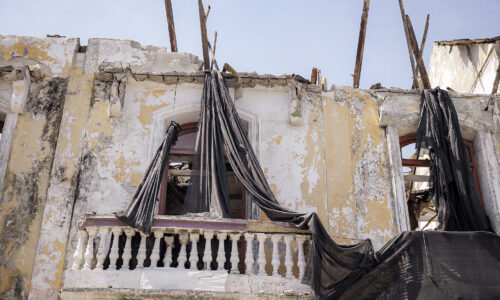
x=188, y=255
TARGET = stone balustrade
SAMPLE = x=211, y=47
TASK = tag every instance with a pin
x=237, y=246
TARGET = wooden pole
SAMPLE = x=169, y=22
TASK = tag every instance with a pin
x=213, y=57
x=204, y=39
x=171, y=27
x=424, y=36
x=414, y=72
x=420, y=63
x=361, y=43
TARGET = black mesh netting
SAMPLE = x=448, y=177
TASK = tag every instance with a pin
x=413, y=265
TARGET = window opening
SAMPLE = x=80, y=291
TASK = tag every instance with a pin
x=177, y=177
x=416, y=169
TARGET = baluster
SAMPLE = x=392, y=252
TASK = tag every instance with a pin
x=235, y=257
x=221, y=253
x=89, y=252
x=288, y=256
x=301, y=262
x=141, y=254
x=207, y=255
x=193, y=256
x=102, y=251
x=113, y=255
x=78, y=256
x=182, y=258
x=155, y=254
x=275, y=238
x=169, y=241
x=127, y=250
x=249, y=253
x=261, y=258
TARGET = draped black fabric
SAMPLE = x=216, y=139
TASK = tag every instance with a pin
x=451, y=180
x=331, y=267
x=433, y=265
x=140, y=210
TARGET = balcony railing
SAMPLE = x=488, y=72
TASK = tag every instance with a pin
x=198, y=244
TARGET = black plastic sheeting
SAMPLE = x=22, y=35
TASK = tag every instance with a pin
x=140, y=210
x=433, y=265
x=414, y=265
x=451, y=179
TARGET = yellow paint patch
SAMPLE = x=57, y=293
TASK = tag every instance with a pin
x=146, y=113
x=26, y=143
x=36, y=51
x=123, y=170
x=136, y=178
x=6, y=275
x=276, y=140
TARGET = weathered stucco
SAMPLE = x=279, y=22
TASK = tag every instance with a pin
x=321, y=151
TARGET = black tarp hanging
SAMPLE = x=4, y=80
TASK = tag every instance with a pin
x=412, y=265
x=331, y=266
x=451, y=180
x=140, y=210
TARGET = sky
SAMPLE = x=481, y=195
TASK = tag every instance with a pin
x=268, y=36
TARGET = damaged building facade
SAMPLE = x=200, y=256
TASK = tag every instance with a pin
x=82, y=123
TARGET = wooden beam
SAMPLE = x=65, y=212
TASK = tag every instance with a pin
x=314, y=75
x=416, y=178
x=204, y=39
x=361, y=43
x=420, y=63
x=171, y=26
x=481, y=70
x=413, y=70
x=213, y=57
x=424, y=36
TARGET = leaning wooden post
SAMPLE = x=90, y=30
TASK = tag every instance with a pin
x=424, y=37
x=204, y=39
x=171, y=27
x=361, y=43
x=416, y=53
x=414, y=72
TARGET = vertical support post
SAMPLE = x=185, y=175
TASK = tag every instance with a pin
x=249, y=253
x=301, y=262
x=127, y=250
x=235, y=258
x=204, y=39
x=261, y=258
x=221, y=253
x=288, y=256
x=275, y=261
x=141, y=254
x=78, y=256
x=89, y=252
x=414, y=71
x=155, y=254
x=193, y=256
x=169, y=241
x=113, y=255
x=182, y=258
x=207, y=256
x=171, y=26
x=361, y=43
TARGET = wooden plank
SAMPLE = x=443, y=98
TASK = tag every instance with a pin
x=171, y=26
x=412, y=63
x=418, y=178
x=420, y=63
x=480, y=73
x=424, y=37
x=314, y=75
x=213, y=50
x=415, y=163
x=361, y=44
x=204, y=39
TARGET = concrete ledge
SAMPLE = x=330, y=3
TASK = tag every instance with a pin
x=168, y=281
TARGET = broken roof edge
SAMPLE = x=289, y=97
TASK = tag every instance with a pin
x=462, y=42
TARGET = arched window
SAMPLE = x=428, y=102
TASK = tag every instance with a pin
x=421, y=210
x=177, y=177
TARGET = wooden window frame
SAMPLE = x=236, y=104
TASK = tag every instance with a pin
x=411, y=138
x=185, y=129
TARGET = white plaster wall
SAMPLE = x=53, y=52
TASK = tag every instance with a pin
x=457, y=68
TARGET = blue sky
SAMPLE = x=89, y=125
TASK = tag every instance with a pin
x=273, y=36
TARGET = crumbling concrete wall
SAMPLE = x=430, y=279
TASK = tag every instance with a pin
x=27, y=176
x=457, y=66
